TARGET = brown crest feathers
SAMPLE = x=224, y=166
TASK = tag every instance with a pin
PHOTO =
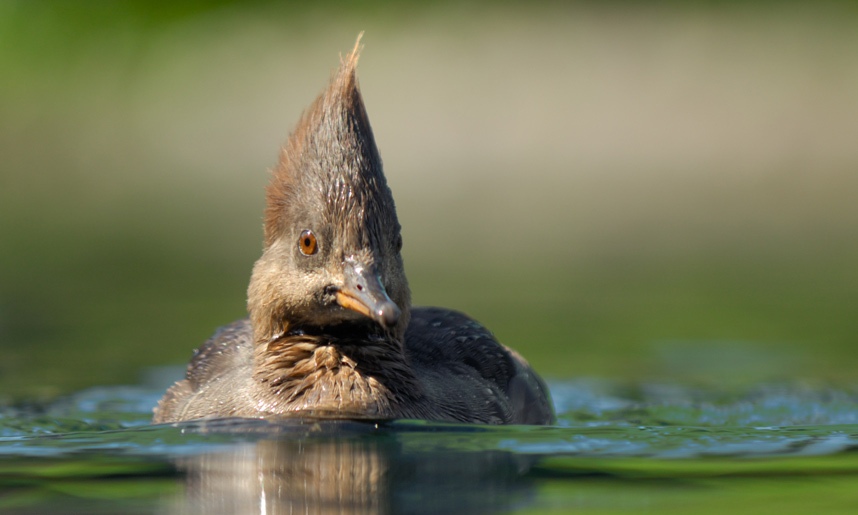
x=331, y=147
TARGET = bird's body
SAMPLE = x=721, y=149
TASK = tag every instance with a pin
x=452, y=370
x=331, y=331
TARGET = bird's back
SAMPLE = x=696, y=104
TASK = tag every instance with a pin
x=468, y=375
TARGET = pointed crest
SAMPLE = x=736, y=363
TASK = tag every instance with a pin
x=331, y=151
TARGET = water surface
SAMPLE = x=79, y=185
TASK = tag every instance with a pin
x=616, y=448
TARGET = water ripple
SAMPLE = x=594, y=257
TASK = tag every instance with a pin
x=596, y=418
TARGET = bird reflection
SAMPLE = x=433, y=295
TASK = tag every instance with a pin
x=317, y=470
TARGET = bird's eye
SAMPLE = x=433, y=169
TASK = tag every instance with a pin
x=307, y=243
x=398, y=242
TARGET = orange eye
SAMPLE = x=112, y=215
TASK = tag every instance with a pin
x=307, y=243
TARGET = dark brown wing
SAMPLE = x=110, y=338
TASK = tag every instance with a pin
x=469, y=375
x=221, y=359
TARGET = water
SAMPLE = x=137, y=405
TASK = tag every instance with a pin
x=616, y=447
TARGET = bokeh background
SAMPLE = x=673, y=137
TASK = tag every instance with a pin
x=641, y=191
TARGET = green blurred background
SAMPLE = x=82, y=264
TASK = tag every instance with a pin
x=630, y=190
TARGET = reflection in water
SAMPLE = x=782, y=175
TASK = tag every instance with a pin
x=618, y=447
x=348, y=473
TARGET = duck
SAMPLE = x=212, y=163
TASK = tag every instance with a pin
x=331, y=333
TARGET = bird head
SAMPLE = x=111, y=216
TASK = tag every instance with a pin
x=331, y=257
